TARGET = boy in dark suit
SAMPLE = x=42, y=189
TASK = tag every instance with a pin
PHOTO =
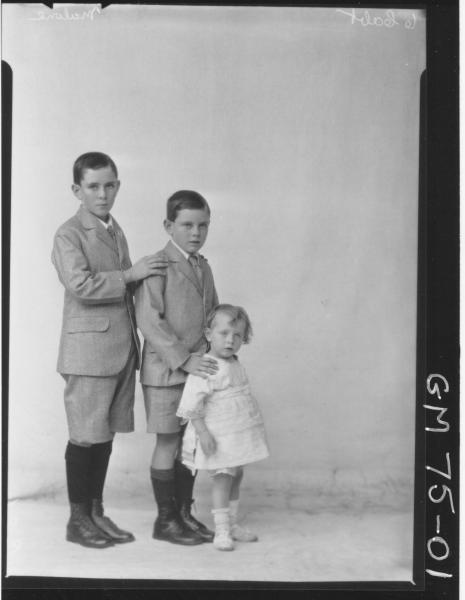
x=99, y=347
x=171, y=314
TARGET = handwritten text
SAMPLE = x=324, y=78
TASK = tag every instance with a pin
x=66, y=15
x=388, y=20
x=437, y=546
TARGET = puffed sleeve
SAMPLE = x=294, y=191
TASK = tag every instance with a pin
x=196, y=391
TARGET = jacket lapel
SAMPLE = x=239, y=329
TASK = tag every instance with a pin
x=184, y=266
x=89, y=221
x=119, y=238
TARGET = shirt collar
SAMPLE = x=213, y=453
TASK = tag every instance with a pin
x=183, y=252
x=106, y=225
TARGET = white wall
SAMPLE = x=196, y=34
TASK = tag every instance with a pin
x=301, y=129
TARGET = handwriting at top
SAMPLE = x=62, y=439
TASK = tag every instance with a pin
x=65, y=15
x=387, y=20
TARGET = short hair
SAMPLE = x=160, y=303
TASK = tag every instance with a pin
x=91, y=160
x=236, y=313
x=184, y=199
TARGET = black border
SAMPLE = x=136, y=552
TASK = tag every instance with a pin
x=437, y=340
x=7, y=105
x=442, y=277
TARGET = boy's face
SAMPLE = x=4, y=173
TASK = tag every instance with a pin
x=97, y=191
x=225, y=337
x=190, y=229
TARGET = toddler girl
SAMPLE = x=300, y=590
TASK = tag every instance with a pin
x=225, y=428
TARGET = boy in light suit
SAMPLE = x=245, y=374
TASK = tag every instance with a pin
x=171, y=314
x=99, y=347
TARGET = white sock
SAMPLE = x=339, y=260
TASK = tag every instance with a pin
x=239, y=532
x=221, y=517
x=222, y=539
x=234, y=510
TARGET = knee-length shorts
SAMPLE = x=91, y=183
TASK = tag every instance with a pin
x=98, y=407
x=161, y=404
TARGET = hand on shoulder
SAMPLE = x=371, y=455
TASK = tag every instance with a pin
x=154, y=264
x=201, y=365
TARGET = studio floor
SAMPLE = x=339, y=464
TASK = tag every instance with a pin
x=295, y=545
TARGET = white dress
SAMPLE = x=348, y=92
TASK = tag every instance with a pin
x=230, y=413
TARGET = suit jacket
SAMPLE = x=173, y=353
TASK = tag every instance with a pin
x=98, y=312
x=171, y=314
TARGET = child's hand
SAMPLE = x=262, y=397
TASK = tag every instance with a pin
x=202, y=366
x=146, y=266
x=208, y=443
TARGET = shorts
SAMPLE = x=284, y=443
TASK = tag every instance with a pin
x=98, y=407
x=161, y=404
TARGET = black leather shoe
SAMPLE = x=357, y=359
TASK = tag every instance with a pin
x=81, y=530
x=169, y=527
x=106, y=525
x=192, y=524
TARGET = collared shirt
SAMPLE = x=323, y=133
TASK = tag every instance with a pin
x=183, y=252
x=106, y=225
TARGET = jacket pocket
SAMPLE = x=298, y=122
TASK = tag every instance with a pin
x=83, y=324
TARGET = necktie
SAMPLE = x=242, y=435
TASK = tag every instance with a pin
x=112, y=232
x=194, y=261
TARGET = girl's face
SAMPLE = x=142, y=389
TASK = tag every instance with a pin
x=224, y=336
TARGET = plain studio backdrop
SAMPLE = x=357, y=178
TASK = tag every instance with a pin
x=301, y=128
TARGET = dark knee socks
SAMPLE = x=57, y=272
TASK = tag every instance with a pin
x=77, y=472
x=177, y=483
x=184, y=483
x=163, y=485
x=100, y=457
x=86, y=469
x=184, y=479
